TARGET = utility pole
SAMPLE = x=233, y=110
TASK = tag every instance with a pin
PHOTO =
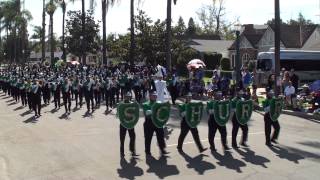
x=237, y=63
x=277, y=47
x=168, y=39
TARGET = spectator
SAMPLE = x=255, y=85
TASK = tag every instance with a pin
x=289, y=91
x=246, y=78
x=294, y=79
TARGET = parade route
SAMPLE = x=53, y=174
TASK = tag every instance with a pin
x=86, y=147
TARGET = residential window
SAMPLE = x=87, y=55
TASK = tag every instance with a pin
x=245, y=58
x=233, y=60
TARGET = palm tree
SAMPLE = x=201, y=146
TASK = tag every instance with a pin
x=63, y=5
x=168, y=35
x=51, y=8
x=43, y=34
x=105, y=6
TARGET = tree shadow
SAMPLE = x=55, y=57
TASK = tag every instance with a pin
x=313, y=144
x=251, y=157
x=160, y=167
x=197, y=163
x=129, y=170
x=283, y=153
x=228, y=161
x=32, y=119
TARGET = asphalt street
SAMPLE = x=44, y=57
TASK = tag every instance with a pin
x=86, y=147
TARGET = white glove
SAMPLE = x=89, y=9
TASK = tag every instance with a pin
x=267, y=109
x=183, y=114
x=148, y=112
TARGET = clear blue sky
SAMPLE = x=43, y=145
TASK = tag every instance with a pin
x=249, y=11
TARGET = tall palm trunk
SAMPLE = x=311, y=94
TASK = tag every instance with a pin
x=168, y=35
x=43, y=33
x=104, y=33
x=51, y=39
x=63, y=33
x=83, y=19
x=132, y=41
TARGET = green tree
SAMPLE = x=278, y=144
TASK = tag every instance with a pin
x=191, y=30
x=74, y=31
x=180, y=28
x=301, y=21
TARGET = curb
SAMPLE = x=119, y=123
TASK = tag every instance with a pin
x=301, y=114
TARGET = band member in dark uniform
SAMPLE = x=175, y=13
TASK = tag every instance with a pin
x=236, y=125
x=150, y=128
x=88, y=93
x=56, y=88
x=76, y=89
x=213, y=126
x=46, y=93
x=36, y=98
x=66, y=95
x=185, y=128
x=269, y=123
x=123, y=132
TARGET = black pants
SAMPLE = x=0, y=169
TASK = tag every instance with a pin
x=36, y=104
x=149, y=129
x=66, y=101
x=132, y=135
x=76, y=96
x=56, y=99
x=89, y=99
x=107, y=96
x=235, y=127
x=137, y=93
x=268, y=123
x=122, y=92
x=213, y=127
x=23, y=96
x=112, y=97
x=183, y=133
x=80, y=97
x=46, y=96
x=29, y=96
x=97, y=97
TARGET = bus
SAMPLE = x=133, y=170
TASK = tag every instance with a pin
x=305, y=63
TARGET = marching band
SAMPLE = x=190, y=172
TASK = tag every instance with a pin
x=31, y=87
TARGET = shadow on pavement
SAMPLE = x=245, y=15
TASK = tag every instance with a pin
x=26, y=113
x=13, y=103
x=283, y=153
x=18, y=108
x=9, y=100
x=31, y=120
x=197, y=163
x=294, y=154
x=313, y=144
x=160, y=167
x=6, y=97
x=129, y=170
x=251, y=157
x=228, y=161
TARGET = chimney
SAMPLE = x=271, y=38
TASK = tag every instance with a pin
x=249, y=28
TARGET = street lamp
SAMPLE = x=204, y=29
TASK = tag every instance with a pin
x=237, y=28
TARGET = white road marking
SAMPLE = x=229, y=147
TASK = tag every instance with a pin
x=206, y=140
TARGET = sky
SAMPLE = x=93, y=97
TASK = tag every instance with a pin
x=118, y=17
